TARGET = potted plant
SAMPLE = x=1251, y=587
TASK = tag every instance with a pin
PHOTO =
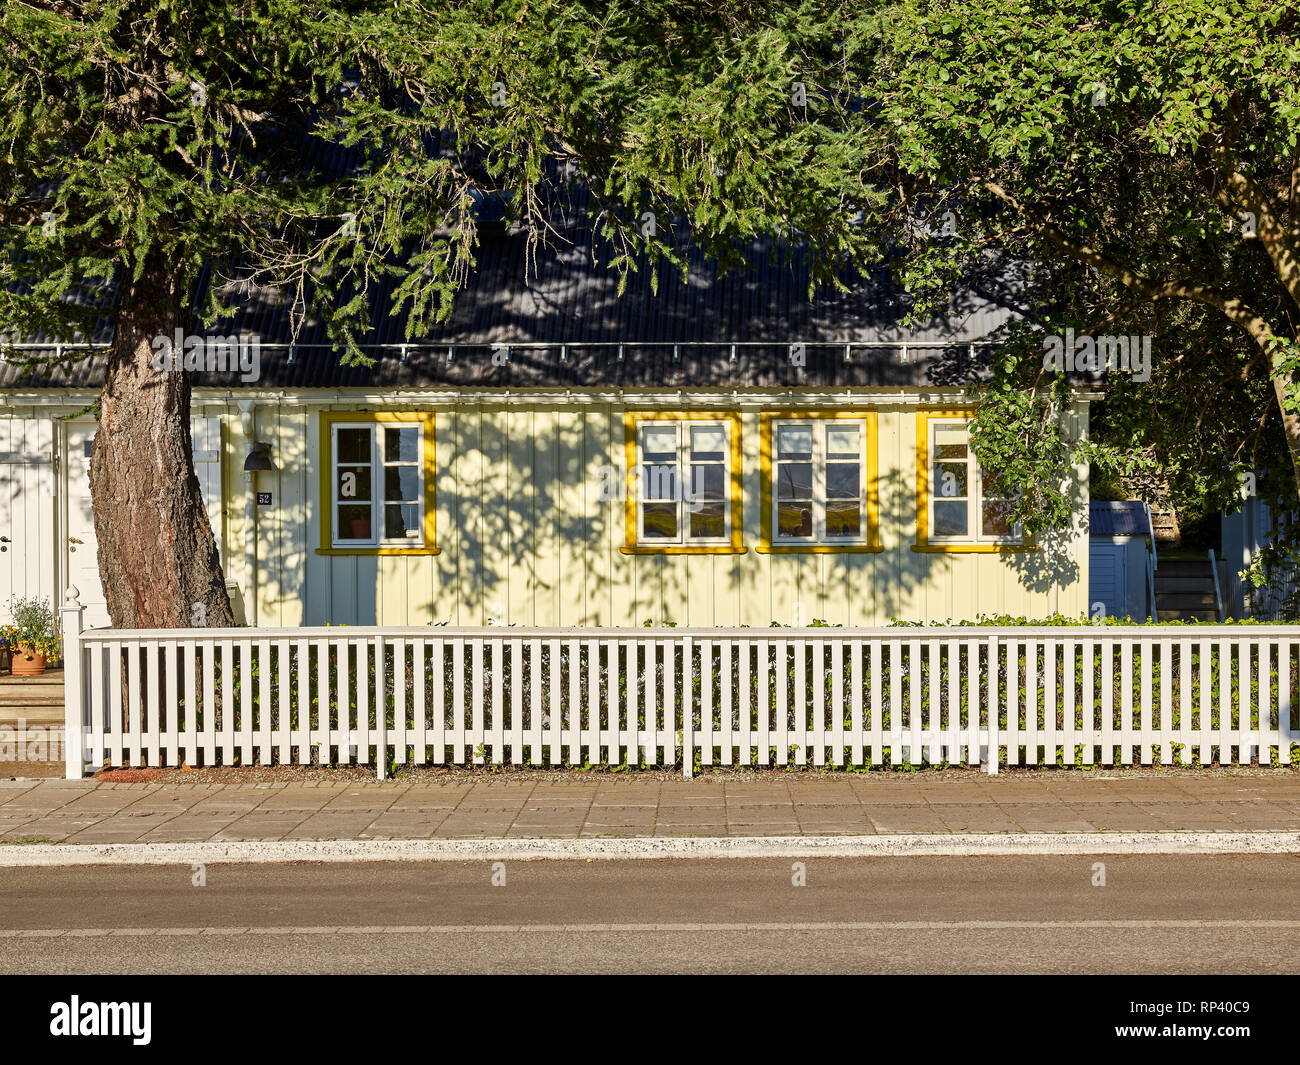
x=32, y=636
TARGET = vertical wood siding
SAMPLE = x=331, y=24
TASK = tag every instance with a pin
x=527, y=540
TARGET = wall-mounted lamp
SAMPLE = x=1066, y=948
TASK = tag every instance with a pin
x=259, y=458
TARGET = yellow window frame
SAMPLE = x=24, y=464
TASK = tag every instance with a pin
x=870, y=474
x=631, y=419
x=328, y=419
x=923, y=544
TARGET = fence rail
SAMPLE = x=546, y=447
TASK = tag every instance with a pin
x=681, y=697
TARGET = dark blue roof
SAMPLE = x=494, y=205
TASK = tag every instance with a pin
x=1124, y=518
x=565, y=294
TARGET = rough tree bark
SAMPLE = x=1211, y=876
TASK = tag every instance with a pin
x=157, y=555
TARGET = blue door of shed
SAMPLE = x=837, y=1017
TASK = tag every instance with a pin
x=1107, y=577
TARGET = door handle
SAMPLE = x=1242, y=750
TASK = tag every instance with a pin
x=74, y=540
x=4, y=540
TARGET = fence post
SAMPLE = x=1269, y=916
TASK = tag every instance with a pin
x=688, y=706
x=74, y=702
x=381, y=712
x=992, y=762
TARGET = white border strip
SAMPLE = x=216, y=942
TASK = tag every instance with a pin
x=13, y=856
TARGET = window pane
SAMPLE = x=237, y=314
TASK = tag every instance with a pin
x=401, y=521
x=843, y=440
x=402, y=483
x=950, y=480
x=794, y=480
x=659, y=521
x=950, y=518
x=843, y=519
x=996, y=520
x=794, y=441
x=659, y=482
x=794, y=518
x=353, y=445
x=708, y=481
x=659, y=441
x=354, y=522
x=985, y=479
x=842, y=480
x=353, y=482
x=402, y=444
x=708, y=442
x=951, y=436
x=708, y=521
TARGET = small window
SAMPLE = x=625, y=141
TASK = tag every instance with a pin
x=380, y=490
x=683, y=483
x=819, y=482
x=961, y=508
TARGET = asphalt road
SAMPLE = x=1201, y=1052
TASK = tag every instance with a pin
x=1155, y=914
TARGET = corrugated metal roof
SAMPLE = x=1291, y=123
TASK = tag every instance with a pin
x=565, y=303
x=1123, y=518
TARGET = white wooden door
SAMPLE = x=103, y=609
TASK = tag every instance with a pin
x=82, y=547
x=80, y=544
x=27, y=513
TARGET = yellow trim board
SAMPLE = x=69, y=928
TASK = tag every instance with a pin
x=630, y=545
x=328, y=419
x=923, y=544
x=870, y=475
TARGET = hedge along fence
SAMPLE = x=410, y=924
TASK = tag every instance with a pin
x=846, y=698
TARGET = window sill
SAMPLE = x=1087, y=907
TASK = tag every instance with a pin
x=818, y=549
x=972, y=549
x=677, y=549
x=379, y=551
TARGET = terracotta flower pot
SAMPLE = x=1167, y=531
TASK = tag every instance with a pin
x=26, y=663
x=360, y=528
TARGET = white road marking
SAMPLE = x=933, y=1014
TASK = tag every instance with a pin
x=26, y=855
x=778, y=926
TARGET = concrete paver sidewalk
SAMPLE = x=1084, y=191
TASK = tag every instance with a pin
x=97, y=812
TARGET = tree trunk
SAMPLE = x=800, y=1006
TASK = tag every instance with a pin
x=157, y=555
x=1290, y=425
x=1282, y=386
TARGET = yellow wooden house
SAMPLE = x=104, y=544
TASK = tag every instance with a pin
x=714, y=451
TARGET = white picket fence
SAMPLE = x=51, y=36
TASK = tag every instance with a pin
x=668, y=697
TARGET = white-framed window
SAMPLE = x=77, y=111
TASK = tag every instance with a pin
x=683, y=483
x=961, y=510
x=378, y=478
x=819, y=472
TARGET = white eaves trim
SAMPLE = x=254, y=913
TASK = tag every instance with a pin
x=644, y=399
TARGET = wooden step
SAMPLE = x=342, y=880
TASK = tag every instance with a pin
x=44, y=690
x=52, y=675
x=14, y=716
x=20, y=695
x=1183, y=567
x=1185, y=584
x=1173, y=600
x=1183, y=614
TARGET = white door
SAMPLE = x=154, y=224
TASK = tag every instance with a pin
x=82, y=547
x=27, y=525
